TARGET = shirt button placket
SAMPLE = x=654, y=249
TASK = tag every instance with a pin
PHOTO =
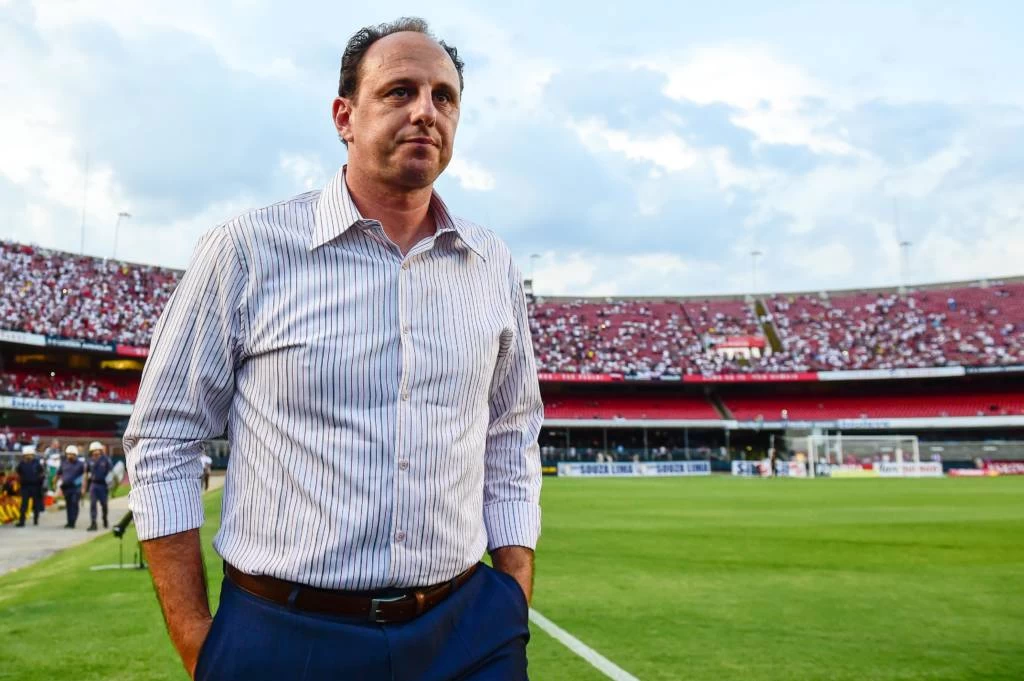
x=404, y=437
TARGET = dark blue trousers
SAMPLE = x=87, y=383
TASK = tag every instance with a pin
x=479, y=633
x=72, y=497
x=97, y=494
x=35, y=494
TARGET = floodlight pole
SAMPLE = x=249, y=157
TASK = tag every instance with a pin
x=117, y=228
x=754, y=255
x=904, y=263
x=85, y=202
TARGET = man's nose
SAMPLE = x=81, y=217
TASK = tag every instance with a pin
x=424, y=111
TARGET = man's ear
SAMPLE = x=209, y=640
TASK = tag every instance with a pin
x=341, y=111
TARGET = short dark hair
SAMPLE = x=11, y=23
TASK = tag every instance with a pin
x=358, y=44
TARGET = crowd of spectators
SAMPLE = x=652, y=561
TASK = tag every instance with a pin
x=927, y=328
x=60, y=294
x=638, y=338
x=50, y=386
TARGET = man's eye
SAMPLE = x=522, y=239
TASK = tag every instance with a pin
x=400, y=92
x=443, y=97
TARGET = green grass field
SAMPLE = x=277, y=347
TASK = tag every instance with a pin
x=697, y=579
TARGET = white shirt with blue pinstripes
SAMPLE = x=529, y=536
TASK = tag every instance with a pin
x=383, y=410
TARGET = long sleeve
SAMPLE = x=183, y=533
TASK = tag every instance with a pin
x=186, y=390
x=512, y=475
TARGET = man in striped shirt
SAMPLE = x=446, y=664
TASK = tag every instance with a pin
x=369, y=356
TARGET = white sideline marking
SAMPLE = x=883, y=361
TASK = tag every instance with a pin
x=603, y=664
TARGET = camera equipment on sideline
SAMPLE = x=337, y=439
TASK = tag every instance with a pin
x=118, y=531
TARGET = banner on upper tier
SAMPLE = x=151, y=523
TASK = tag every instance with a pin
x=132, y=351
x=64, y=407
x=22, y=338
x=78, y=344
x=781, y=377
x=883, y=374
x=1016, y=369
x=634, y=469
x=578, y=378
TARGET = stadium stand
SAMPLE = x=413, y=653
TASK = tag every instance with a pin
x=967, y=326
x=818, y=407
x=637, y=337
x=66, y=387
x=60, y=294
x=584, y=407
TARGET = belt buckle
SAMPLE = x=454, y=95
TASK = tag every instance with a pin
x=375, y=604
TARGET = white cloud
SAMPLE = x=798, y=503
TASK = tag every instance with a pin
x=471, y=176
x=960, y=198
x=136, y=21
x=667, y=151
x=745, y=77
x=509, y=82
x=174, y=239
x=305, y=170
x=819, y=261
x=587, y=273
x=769, y=95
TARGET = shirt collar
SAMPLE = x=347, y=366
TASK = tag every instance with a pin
x=336, y=213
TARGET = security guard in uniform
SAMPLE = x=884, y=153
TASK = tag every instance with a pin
x=32, y=475
x=70, y=474
x=96, y=481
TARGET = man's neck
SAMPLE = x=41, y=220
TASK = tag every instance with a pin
x=404, y=214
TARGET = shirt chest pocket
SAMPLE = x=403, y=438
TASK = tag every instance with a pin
x=459, y=343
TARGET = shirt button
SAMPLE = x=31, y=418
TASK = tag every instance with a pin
x=405, y=329
x=400, y=536
x=405, y=265
x=403, y=465
x=405, y=395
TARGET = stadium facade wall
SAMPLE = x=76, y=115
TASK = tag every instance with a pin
x=909, y=424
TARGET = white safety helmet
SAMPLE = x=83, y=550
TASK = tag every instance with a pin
x=94, y=445
x=71, y=449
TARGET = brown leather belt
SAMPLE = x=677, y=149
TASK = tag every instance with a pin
x=399, y=607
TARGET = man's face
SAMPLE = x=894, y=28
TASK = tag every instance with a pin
x=400, y=125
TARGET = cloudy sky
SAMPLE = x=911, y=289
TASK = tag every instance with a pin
x=636, y=148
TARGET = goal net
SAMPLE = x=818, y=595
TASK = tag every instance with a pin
x=895, y=456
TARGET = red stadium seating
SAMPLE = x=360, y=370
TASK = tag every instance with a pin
x=73, y=388
x=810, y=407
x=582, y=407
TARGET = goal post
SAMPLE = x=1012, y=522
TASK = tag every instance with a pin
x=835, y=454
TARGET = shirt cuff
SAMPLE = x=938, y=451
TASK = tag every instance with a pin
x=512, y=523
x=163, y=508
